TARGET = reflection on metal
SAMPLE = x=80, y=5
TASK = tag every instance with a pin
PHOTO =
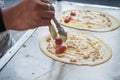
x=15, y=48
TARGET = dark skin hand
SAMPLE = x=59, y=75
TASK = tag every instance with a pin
x=28, y=14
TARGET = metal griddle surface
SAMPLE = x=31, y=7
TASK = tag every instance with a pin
x=30, y=63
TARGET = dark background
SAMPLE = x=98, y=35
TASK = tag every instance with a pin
x=100, y=2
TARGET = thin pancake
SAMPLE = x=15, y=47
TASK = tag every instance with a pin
x=89, y=20
x=82, y=49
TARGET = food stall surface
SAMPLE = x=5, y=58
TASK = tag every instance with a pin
x=30, y=63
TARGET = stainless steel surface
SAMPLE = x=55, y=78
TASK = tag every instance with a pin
x=30, y=63
x=15, y=48
x=52, y=31
x=61, y=31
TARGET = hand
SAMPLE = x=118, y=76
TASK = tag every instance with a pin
x=28, y=14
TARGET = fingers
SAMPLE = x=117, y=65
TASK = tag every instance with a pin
x=46, y=14
x=49, y=4
x=42, y=13
x=41, y=22
x=45, y=22
x=44, y=10
x=44, y=4
x=46, y=1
